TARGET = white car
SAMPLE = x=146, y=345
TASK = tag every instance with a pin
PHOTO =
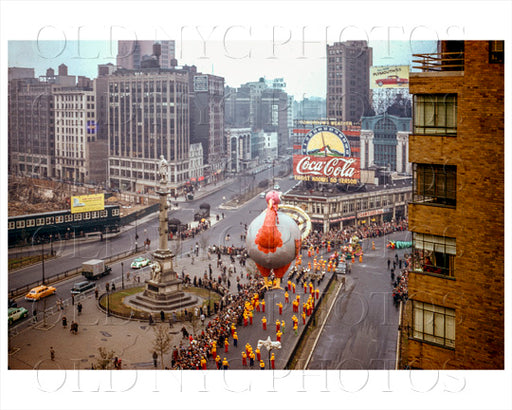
x=140, y=262
x=277, y=187
x=17, y=313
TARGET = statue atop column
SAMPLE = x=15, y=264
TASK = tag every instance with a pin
x=163, y=170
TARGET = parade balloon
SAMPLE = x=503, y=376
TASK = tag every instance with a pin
x=273, y=240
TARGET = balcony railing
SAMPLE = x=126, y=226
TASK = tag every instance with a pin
x=453, y=61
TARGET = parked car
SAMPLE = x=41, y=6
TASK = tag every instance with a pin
x=277, y=187
x=82, y=287
x=40, y=292
x=263, y=194
x=17, y=313
x=140, y=262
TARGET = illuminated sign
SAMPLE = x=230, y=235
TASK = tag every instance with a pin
x=326, y=157
x=87, y=203
x=389, y=77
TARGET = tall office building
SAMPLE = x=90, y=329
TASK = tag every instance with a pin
x=131, y=53
x=75, y=132
x=148, y=116
x=207, y=119
x=454, y=317
x=348, y=80
x=31, y=138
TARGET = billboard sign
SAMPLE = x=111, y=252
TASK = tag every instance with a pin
x=200, y=83
x=326, y=157
x=87, y=203
x=389, y=77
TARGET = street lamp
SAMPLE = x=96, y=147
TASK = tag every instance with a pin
x=122, y=275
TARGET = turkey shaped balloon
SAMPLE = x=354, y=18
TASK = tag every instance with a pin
x=274, y=238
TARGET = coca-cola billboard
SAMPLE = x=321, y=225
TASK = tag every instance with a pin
x=326, y=157
x=341, y=170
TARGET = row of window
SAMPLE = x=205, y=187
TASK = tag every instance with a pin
x=51, y=220
x=348, y=207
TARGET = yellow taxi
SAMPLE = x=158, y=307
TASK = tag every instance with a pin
x=40, y=292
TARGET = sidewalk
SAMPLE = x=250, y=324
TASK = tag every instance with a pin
x=132, y=340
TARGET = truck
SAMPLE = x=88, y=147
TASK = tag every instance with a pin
x=95, y=269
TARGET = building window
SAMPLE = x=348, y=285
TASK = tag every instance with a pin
x=435, y=184
x=432, y=323
x=433, y=254
x=496, y=52
x=435, y=114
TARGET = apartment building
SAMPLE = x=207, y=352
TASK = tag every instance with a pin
x=454, y=317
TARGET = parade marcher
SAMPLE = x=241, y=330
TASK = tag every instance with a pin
x=235, y=339
x=226, y=345
x=264, y=322
x=286, y=297
x=278, y=335
x=272, y=361
x=262, y=365
x=244, y=359
x=263, y=305
x=258, y=354
x=252, y=356
x=280, y=306
x=218, y=362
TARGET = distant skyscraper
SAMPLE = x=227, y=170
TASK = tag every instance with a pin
x=130, y=53
x=348, y=80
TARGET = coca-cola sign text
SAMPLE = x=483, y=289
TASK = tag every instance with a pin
x=344, y=170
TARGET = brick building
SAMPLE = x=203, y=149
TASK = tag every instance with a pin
x=454, y=317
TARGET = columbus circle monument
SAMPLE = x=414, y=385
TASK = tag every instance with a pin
x=163, y=291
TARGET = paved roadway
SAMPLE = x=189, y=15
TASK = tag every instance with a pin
x=72, y=254
x=361, y=330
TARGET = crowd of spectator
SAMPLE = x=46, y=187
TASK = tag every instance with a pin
x=193, y=349
x=342, y=236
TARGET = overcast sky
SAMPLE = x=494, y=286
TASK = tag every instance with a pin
x=302, y=65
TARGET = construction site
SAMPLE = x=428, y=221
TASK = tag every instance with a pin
x=31, y=195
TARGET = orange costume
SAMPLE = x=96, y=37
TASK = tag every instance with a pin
x=264, y=322
x=280, y=306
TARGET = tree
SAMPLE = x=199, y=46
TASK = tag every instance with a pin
x=162, y=341
x=106, y=359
